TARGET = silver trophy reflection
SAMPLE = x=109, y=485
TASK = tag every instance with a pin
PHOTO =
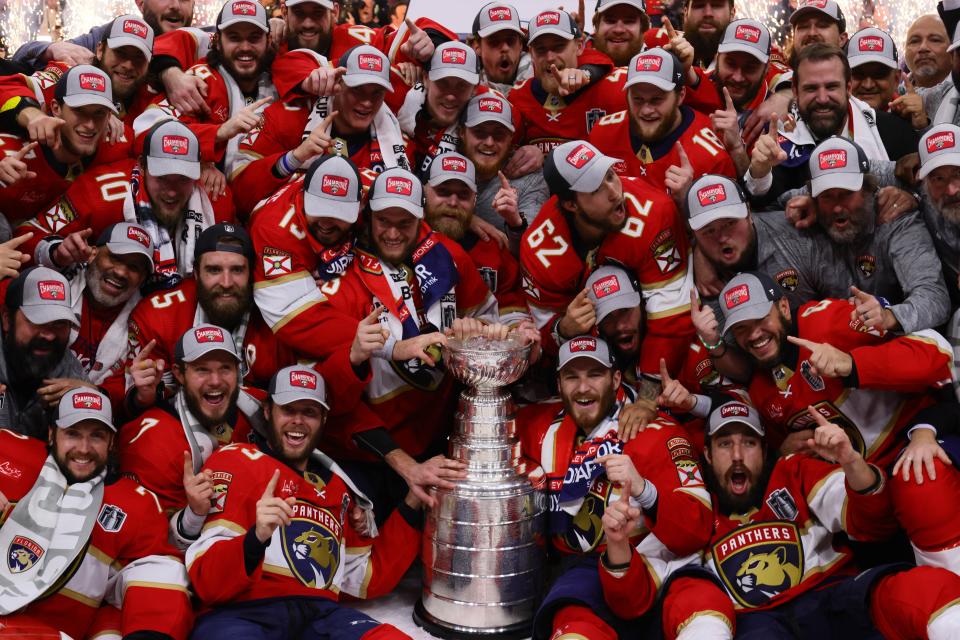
x=482, y=565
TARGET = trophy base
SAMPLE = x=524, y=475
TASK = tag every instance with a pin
x=448, y=631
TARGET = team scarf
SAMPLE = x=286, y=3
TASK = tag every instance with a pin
x=583, y=470
x=45, y=534
x=172, y=257
x=860, y=126
x=333, y=262
x=113, y=346
x=237, y=101
x=200, y=440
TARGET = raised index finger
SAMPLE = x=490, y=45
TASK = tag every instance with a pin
x=625, y=488
x=694, y=301
x=664, y=374
x=272, y=485
x=504, y=183
x=728, y=100
x=411, y=26
x=146, y=351
x=13, y=243
x=821, y=421
x=27, y=148
x=671, y=32
x=327, y=123
x=800, y=342
x=259, y=103
x=187, y=465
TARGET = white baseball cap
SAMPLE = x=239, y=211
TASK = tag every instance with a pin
x=488, y=107
x=714, y=197
x=655, y=66
x=454, y=59
x=748, y=296
x=237, y=11
x=495, y=17
x=576, y=165
x=748, y=36
x=872, y=45
x=734, y=412
x=171, y=148
x=610, y=289
x=85, y=85
x=332, y=189
x=366, y=65
x=453, y=166
x=554, y=21
x=939, y=147
x=397, y=187
x=837, y=163
x=585, y=347
x=131, y=31
x=291, y=384
x=84, y=403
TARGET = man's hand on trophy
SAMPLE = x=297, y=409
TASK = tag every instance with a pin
x=426, y=347
x=527, y=330
x=464, y=328
x=438, y=472
x=634, y=418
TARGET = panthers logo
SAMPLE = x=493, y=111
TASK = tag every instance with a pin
x=760, y=561
x=587, y=527
x=23, y=554
x=311, y=545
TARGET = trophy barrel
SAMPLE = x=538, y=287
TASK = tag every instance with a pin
x=482, y=552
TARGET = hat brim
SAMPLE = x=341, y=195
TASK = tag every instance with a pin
x=482, y=117
x=129, y=249
x=379, y=204
x=448, y=72
x=839, y=180
x=736, y=211
x=323, y=3
x=63, y=423
x=172, y=167
x=447, y=177
x=358, y=78
x=241, y=19
x=944, y=160
x=583, y=354
x=284, y=398
x=46, y=313
x=494, y=28
x=590, y=180
x=318, y=207
x=799, y=13
x=758, y=429
x=747, y=312
x=627, y=300
x=86, y=99
x=556, y=31
x=632, y=3
x=743, y=48
x=130, y=41
x=859, y=60
x=209, y=348
x=652, y=79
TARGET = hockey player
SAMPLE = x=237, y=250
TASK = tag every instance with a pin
x=704, y=23
x=77, y=535
x=498, y=40
x=283, y=542
x=587, y=466
x=159, y=191
x=659, y=138
x=594, y=218
x=572, y=88
x=773, y=555
x=618, y=29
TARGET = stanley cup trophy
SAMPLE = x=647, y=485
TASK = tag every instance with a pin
x=482, y=565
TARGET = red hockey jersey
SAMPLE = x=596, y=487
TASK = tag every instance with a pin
x=501, y=271
x=127, y=563
x=652, y=245
x=318, y=555
x=707, y=96
x=876, y=412
x=768, y=556
x=704, y=149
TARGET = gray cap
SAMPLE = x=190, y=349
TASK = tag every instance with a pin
x=576, y=165
x=84, y=403
x=126, y=238
x=237, y=11
x=829, y=8
x=610, y=289
x=489, y=107
x=85, y=85
x=452, y=166
x=872, y=45
x=939, y=147
x=748, y=296
x=327, y=4
x=203, y=339
x=603, y=5
x=655, y=66
x=172, y=149
x=297, y=383
x=366, y=65
x=131, y=31
x=494, y=17
x=734, y=412
x=397, y=187
x=837, y=163
x=555, y=21
x=714, y=197
x=332, y=189
x=454, y=59
x=749, y=36
x=584, y=347
x=43, y=295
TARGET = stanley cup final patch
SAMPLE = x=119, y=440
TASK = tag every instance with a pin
x=111, y=518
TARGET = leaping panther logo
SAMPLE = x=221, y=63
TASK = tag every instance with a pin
x=770, y=572
x=23, y=554
x=311, y=545
x=760, y=561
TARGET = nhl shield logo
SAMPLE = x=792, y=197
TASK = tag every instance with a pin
x=311, y=545
x=23, y=554
x=111, y=517
x=760, y=561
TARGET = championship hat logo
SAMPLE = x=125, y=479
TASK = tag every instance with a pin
x=816, y=4
x=833, y=159
x=583, y=344
x=138, y=235
x=737, y=296
x=370, y=62
x=747, y=32
x=22, y=554
x=87, y=401
x=401, y=186
x=940, y=141
x=580, y=156
x=734, y=409
x=52, y=290
x=335, y=186
x=208, y=334
x=649, y=63
x=244, y=9
x=303, y=379
x=493, y=105
x=93, y=82
x=175, y=145
x=548, y=18
x=606, y=286
x=135, y=27
x=499, y=14
x=453, y=56
x=457, y=165
x=870, y=43
x=711, y=195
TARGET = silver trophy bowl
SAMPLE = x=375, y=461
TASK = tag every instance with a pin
x=482, y=563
